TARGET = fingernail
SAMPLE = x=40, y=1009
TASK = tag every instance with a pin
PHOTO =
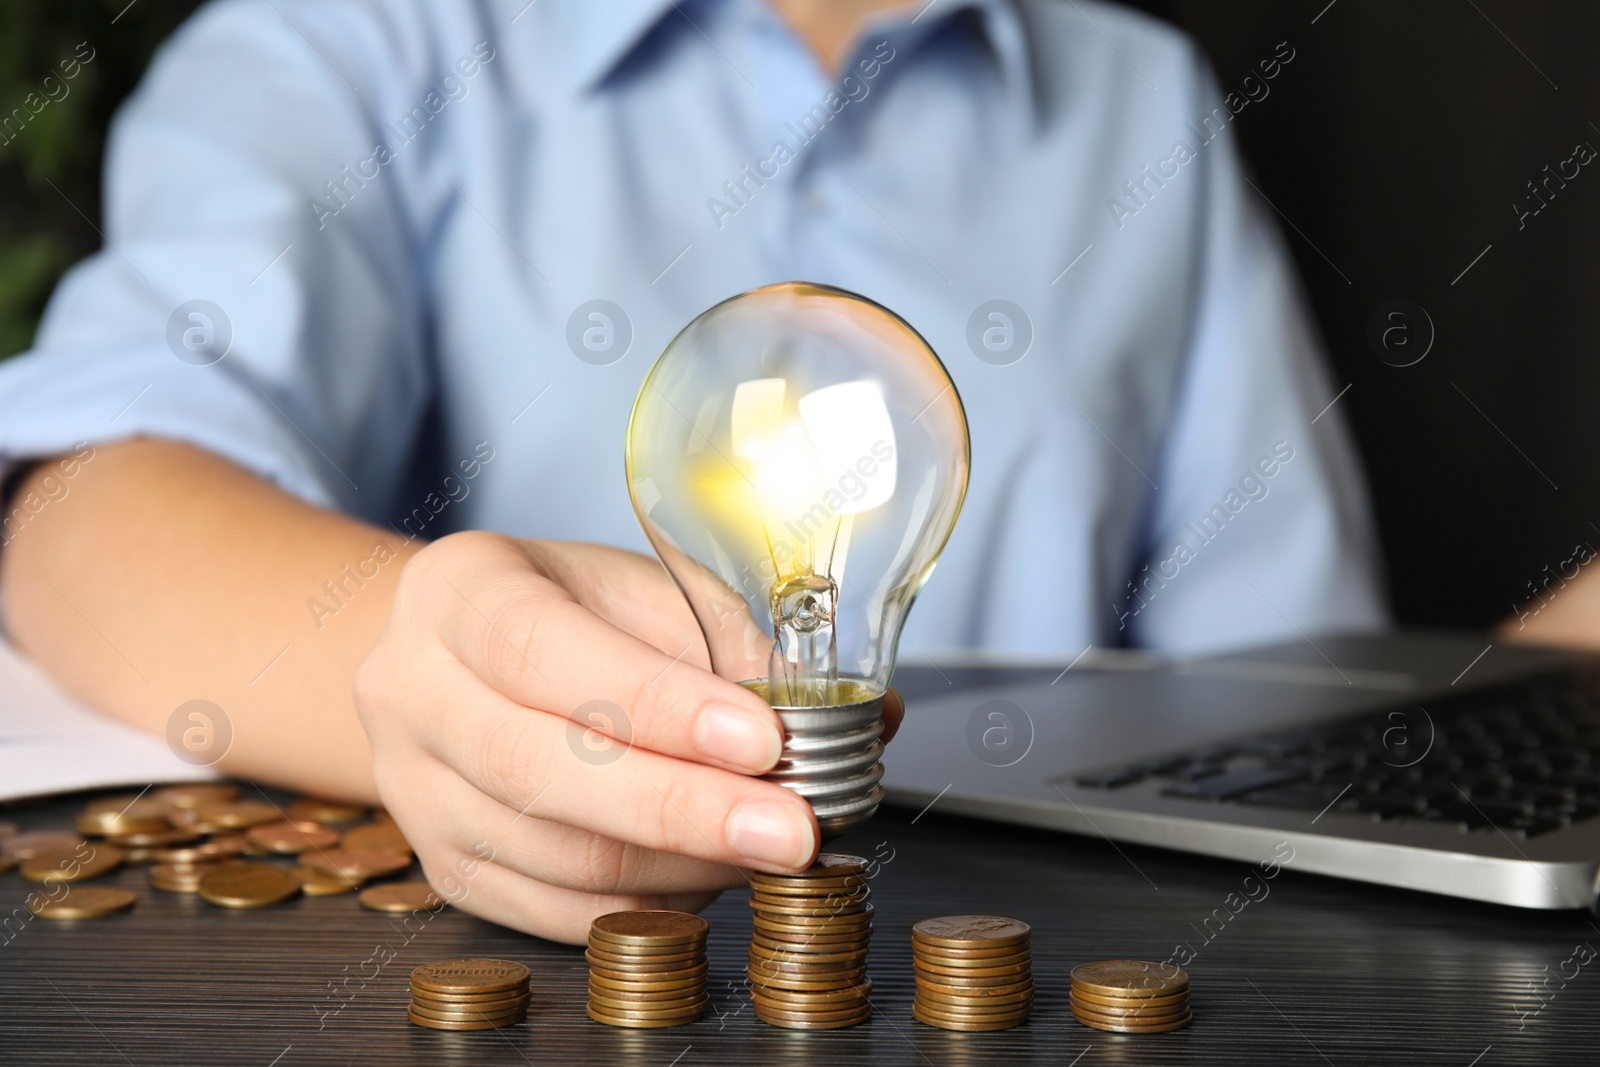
x=738, y=736
x=774, y=834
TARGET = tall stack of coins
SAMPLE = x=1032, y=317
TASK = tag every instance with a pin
x=469, y=994
x=808, y=956
x=647, y=969
x=1130, y=996
x=974, y=972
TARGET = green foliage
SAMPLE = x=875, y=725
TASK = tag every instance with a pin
x=52, y=134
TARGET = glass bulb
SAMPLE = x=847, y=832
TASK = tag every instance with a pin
x=798, y=457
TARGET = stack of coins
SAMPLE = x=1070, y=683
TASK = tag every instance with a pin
x=808, y=956
x=469, y=994
x=974, y=972
x=647, y=969
x=1130, y=996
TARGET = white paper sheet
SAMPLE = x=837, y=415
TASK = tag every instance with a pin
x=51, y=743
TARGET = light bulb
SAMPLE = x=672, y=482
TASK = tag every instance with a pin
x=798, y=456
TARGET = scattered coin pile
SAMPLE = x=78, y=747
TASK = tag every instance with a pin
x=203, y=839
x=647, y=969
x=974, y=972
x=1130, y=996
x=808, y=956
x=469, y=994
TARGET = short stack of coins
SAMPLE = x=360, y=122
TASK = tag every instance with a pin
x=808, y=956
x=974, y=972
x=469, y=994
x=1130, y=996
x=647, y=969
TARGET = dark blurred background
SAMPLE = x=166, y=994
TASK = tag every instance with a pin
x=1394, y=148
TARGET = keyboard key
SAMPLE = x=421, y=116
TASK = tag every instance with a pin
x=1235, y=783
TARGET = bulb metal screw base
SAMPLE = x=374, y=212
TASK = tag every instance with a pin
x=832, y=757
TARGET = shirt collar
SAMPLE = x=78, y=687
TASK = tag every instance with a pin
x=597, y=37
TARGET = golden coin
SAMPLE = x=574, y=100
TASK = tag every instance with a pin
x=961, y=974
x=805, y=1020
x=795, y=1000
x=639, y=1023
x=828, y=864
x=618, y=975
x=688, y=1011
x=180, y=877
x=376, y=837
x=958, y=931
x=473, y=974
x=969, y=992
x=357, y=865
x=809, y=960
x=647, y=996
x=968, y=1023
x=970, y=963
x=73, y=865
x=248, y=885
x=166, y=838
x=806, y=983
x=815, y=946
x=1132, y=1014
x=1129, y=978
x=402, y=896
x=618, y=985
x=649, y=928
x=1095, y=1001
x=291, y=838
x=956, y=1001
x=188, y=797
x=611, y=1001
x=854, y=888
x=111, y=822
x=469, y=1024
x=315, y=883
x=238, y=814
x=856, y=915
x=977, y=1009
x=660, y=960
x=651, y=953
x=327, y=812
x=27, y=845
x=966, y=952
x=435, y=1010
x=82, y=902
x=1102, y=1022
x=223, y=846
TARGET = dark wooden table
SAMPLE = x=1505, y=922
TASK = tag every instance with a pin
x=1317, y=972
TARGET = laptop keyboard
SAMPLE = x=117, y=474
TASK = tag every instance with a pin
x=1521, y=758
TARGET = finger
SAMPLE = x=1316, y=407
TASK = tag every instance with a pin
x=503, y=896
x=538, y=763
x=634, y=593
x=536, y=645
x=455, y=814
x=894, y=712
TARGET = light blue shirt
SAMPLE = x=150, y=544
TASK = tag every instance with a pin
x=405, y=211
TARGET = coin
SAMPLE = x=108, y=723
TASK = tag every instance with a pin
x=849, y=918
x=7, y=862
x=470, y=975
x=291, y=838
x=180, y=877
x=79, y=864
x=608, y=954
x=650, y=965
x=468, y=1012
x=1129, y=978
x=238, y=814
x=640, y=1023
x=1095, y=1001
x=376, y=837
x=111, y=822
x=327, y=812
x=972, y=1024
x=1024, y=996
x=188, y=797
x=966, y=952
x=843, y=889
x=82, y=902
x=645, y=985
x=805, y=983
x=827, y=864
x=966, y=973
x=971, y=991
x=8, y=829
x=970, y=963
x=1133, y=1014
x=979, y=1008
x=401, y=896
x=27, y=845
x=453, y=1024
x=1101, y=1022
x=788, y=999
x=248, y=885
x=811, y=908
x=356, y=865
x=698, y=970
x=643, y=998
x=614, y=1003
x=825, y=944
x=649, y=928
x=154, y=839
x=315, y=883
x=957, y=931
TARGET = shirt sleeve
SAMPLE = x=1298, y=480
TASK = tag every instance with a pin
x=256, y=295
x=1260, y=527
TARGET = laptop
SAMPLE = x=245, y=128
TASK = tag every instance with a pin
x=1424, y=760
